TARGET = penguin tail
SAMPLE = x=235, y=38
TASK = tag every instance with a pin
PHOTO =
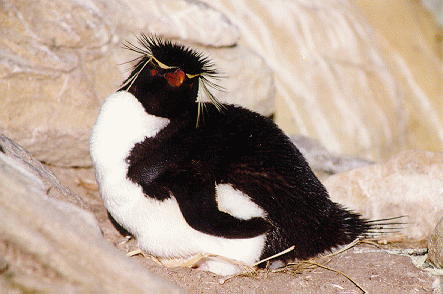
x=380, y=228
x=345, y=226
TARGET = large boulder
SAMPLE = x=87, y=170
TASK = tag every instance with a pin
x=49, y=245
x=324, y=162
x=362, y=77
x=409, y=184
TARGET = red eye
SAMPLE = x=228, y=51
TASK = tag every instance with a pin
x=153, y=72
x=176, y=78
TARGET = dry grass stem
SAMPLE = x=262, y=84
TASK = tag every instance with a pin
x=135, y=252
x=299, y=267
x=274, y=256
x=336, y=271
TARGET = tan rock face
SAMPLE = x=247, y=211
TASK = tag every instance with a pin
x=193, y=21
x=48, y=100
x=342, y=75
x=411, y=41
x=50, y=183
x=362, y=77
x=409, y=184
x=246, y=79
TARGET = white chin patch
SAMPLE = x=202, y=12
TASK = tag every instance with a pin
x=236, y=203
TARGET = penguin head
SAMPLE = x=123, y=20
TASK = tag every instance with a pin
x=167, y=76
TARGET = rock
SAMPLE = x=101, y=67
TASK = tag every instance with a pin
x=51, y=183
x=193, y=21
x=362, y=77
x=342, y=76
x=410, y=184
x=435, y=246
x=246, y=79
x=439, y=285
x=52, y=246
x=410, y=39
x=324, y=162
x=436, y=8
x=59, y=61
x=48, y=103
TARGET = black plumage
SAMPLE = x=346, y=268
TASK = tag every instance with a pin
x=231, y=145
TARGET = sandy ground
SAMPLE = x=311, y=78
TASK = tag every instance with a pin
x=364, y=267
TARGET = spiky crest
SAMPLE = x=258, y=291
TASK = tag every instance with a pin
x=168, y=55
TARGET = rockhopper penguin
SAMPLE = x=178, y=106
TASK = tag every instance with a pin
x=185, y=177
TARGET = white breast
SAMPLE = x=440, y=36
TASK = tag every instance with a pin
x=121, y=123
x=158, y=226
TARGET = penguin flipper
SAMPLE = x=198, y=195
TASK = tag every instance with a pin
x=148, y=162
x=200, y=210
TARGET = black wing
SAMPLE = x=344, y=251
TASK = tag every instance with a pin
x=171, y=164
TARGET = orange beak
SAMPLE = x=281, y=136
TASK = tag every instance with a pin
x=175, y=79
